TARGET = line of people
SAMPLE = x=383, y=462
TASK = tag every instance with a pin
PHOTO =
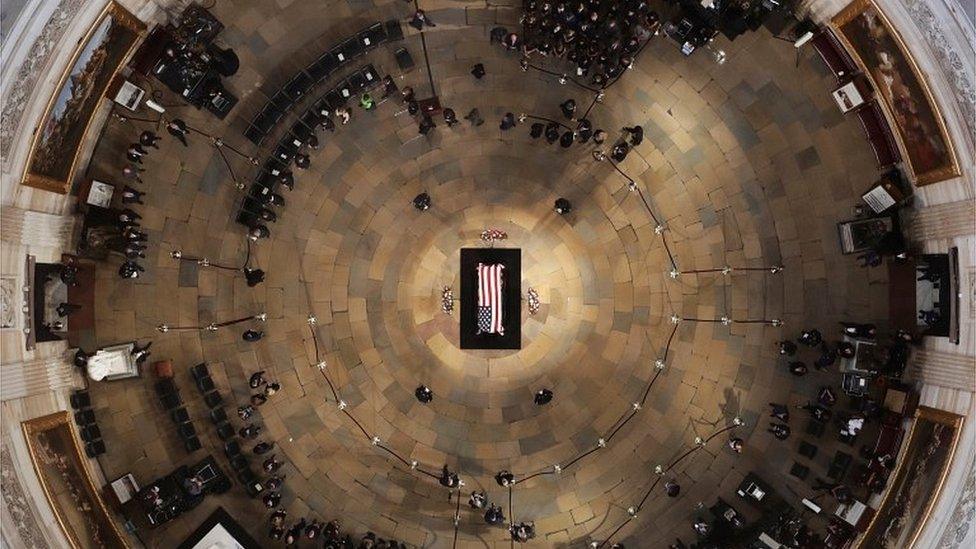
x=133, y=242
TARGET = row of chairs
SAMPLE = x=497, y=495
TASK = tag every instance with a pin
x=218, y=415
x=301, y=83
x=169, y=396
x=268, y=180
x=85, y=419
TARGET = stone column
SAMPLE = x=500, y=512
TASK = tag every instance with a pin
x=31, y=377
x=944, y=221
x=36, y=229
x=944, y=369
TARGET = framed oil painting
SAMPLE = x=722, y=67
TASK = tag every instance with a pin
x=917, y=482
x=59, y=464
x=57, y=138
x=869, y=36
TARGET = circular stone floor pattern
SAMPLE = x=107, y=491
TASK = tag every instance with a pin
x=746, y=163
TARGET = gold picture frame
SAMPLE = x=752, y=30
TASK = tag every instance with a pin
x=57, y=138
x=922, y=444
x=59, y=463
x=870, y=38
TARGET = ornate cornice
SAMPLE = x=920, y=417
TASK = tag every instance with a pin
x=18, y=503
x=25, y=81
x=962, y=516
x=953, y=64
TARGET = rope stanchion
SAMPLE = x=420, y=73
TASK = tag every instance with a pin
x=563, y=78
x=661, y=471
x=373, y=439
x=212, y=327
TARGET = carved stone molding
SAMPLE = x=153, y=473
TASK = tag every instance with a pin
x=38, y=58
x=18, y=503
x=962, y=517
x=953, y=64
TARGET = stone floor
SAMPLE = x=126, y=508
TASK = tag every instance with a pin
x=748, y=163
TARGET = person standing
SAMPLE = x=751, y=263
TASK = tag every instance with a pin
x=249, y=431
x=569, y=108
x=787, y=348
x=132, y=172
x=177, y=128
x=810, y=338
x=798, y=368
x=779, y=411
x=478, y=500
x=779, y=430
x=543, y=397
x=508, y=122
x=478, y=70
x=148, y=139
x=636, y=135
x=474, y=117
x=132, y=196
x=450, y=117
x=424, y=394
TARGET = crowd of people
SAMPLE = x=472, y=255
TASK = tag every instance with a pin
x=600, y=38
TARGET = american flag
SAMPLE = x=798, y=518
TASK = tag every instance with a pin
x=490, y=299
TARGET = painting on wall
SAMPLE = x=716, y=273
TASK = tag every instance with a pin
x=870, y=37
x=60, y=467
x=917, y=482
x=58, y=137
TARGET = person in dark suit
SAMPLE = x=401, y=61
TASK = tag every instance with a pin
x=263, y=447
x=422, y=201
x=787, y=348
x=450, y=117
x=135, y=152
x=271, y=499
x=567, y=139
x=504, y=478
x=424, y=394
x=426, y=124
x=543, y=396
x=636, y=135
x=249, y=431
x=478, y=70
x=535, y=132
x=478, y=500
x=508, y=122
x=779, y=411
x=584, y=130
x=619, y=152
x=474, y=116
x=552, y=132
x=130, y=269
x=252, y=335
x=148, y=139
x=810, y=338
x=177, y=128
x=569, y=108
x=798, y=368
x=494, y=515
x=131, y=196
x=132, y=172
x=779, y=430
x=448, y=478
